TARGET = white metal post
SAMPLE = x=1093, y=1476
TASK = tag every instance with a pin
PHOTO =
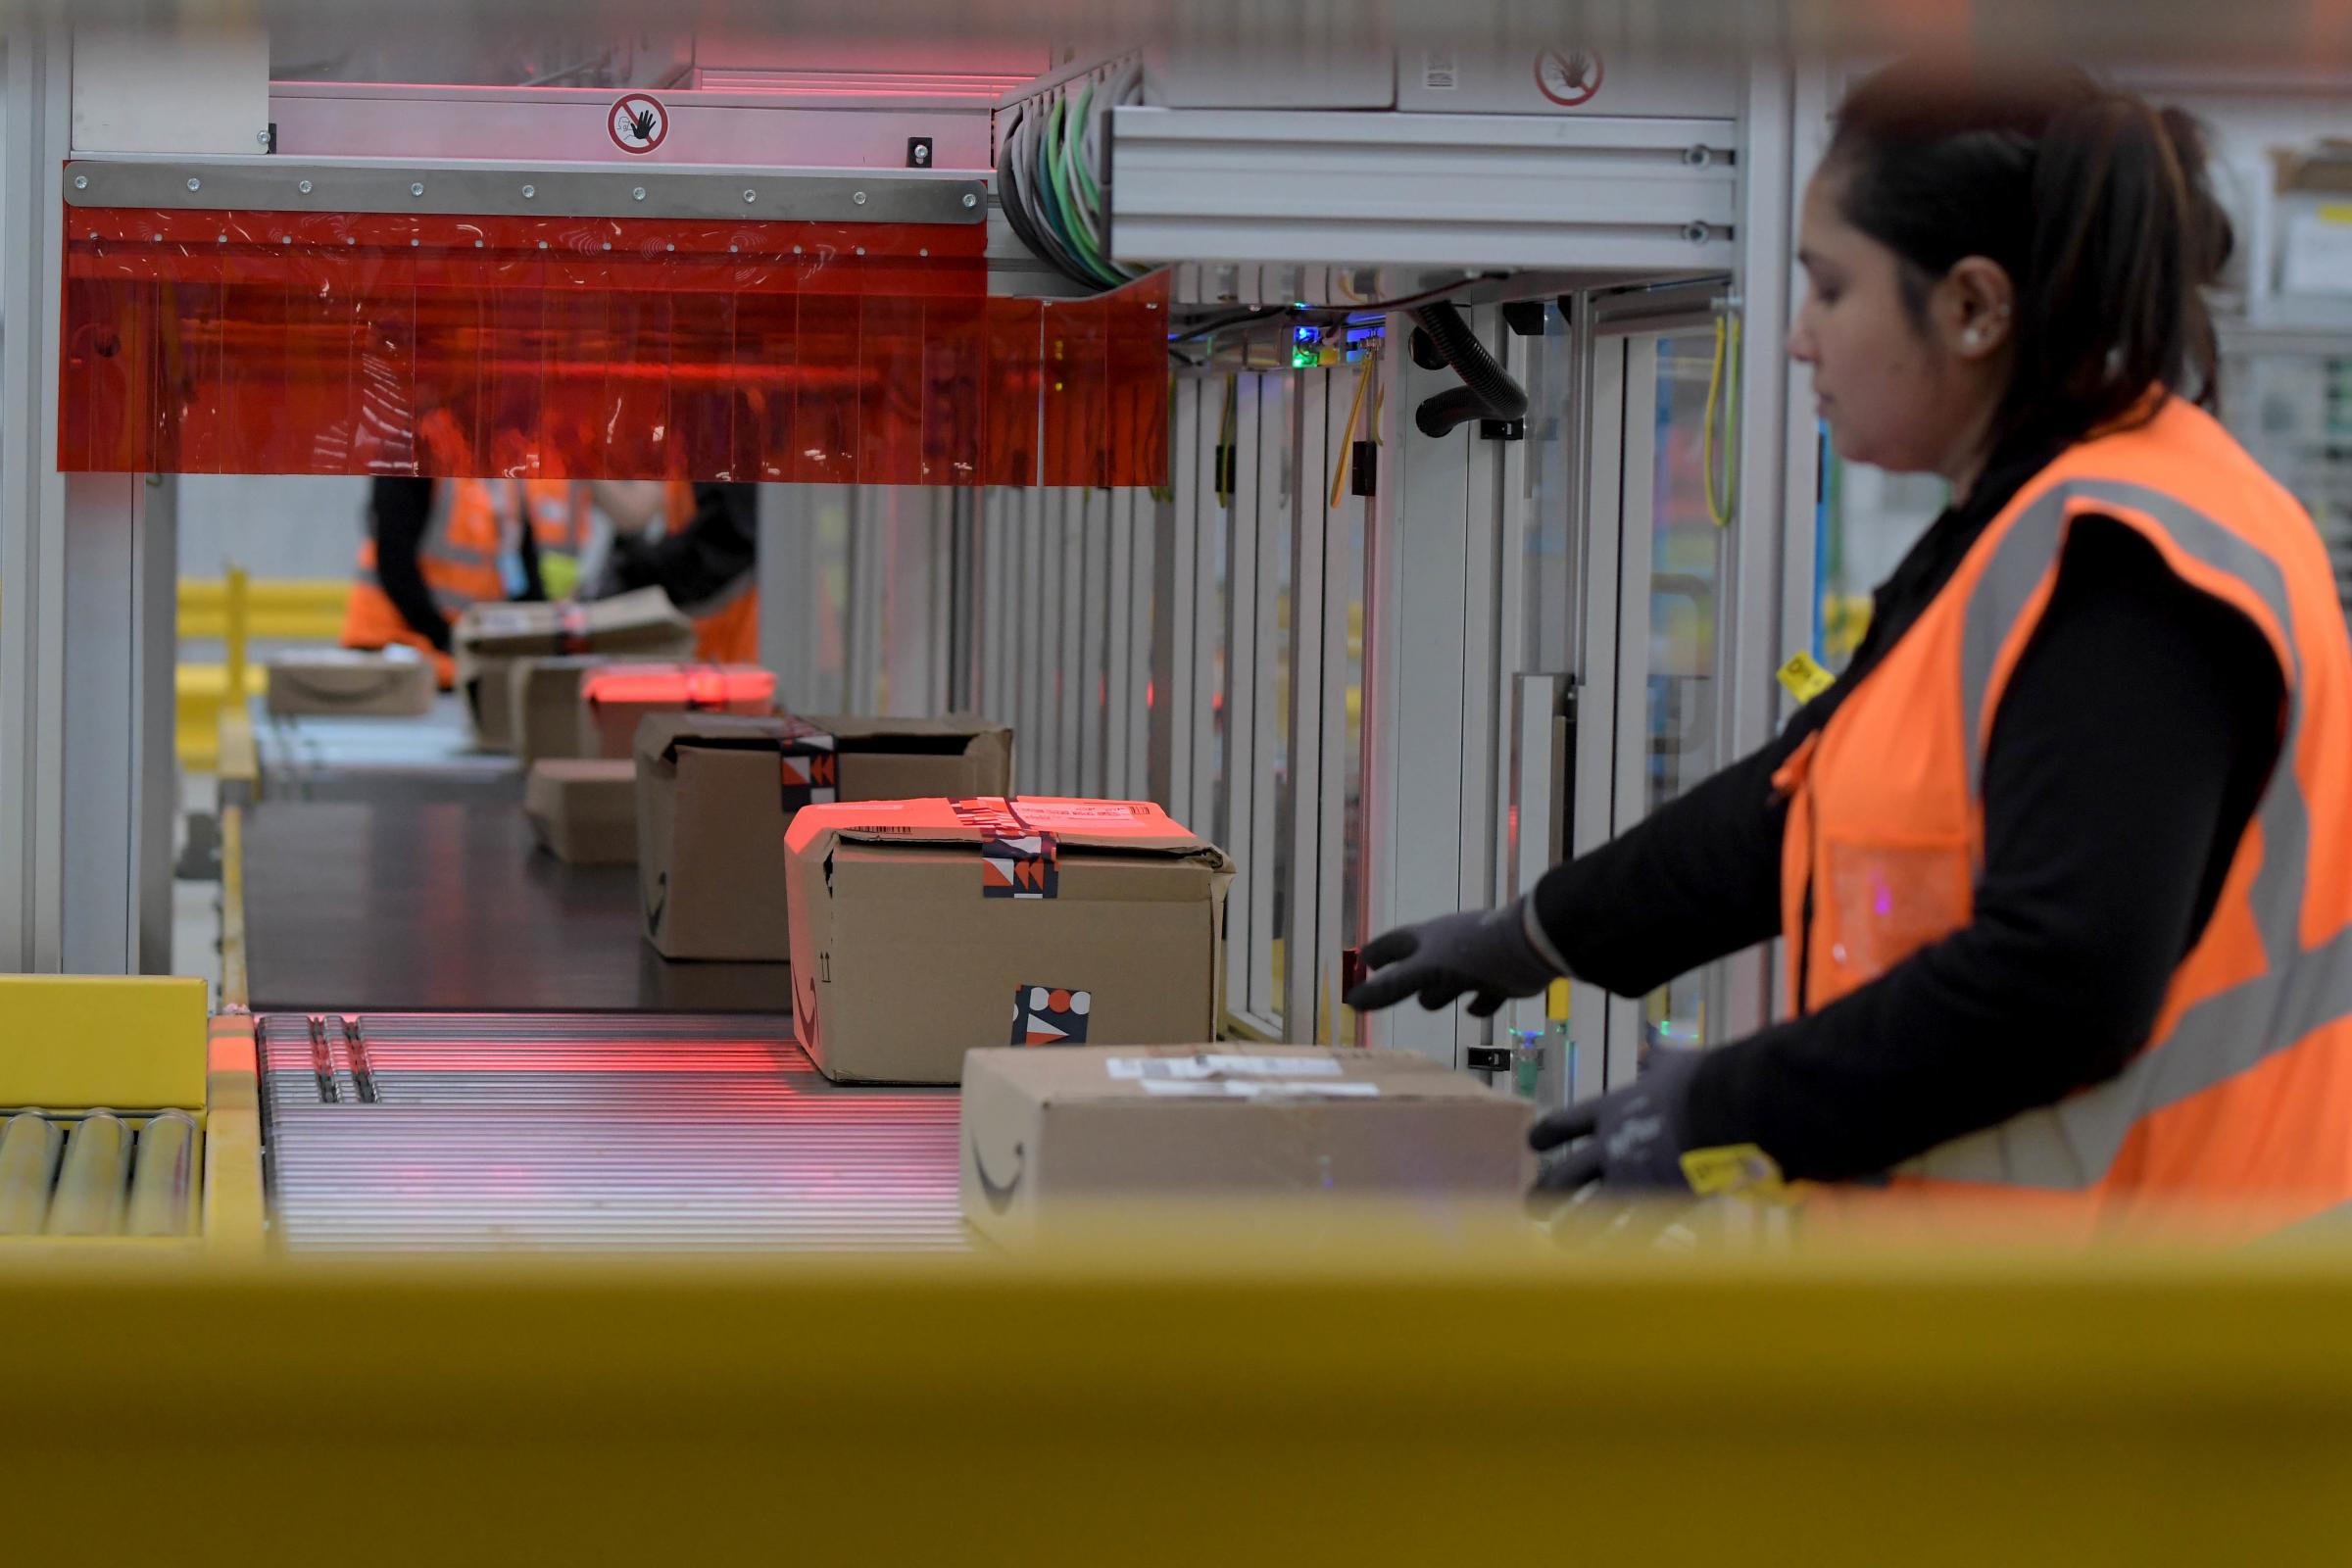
x=33, y=499
x=1771, y=567
x=1593, y=766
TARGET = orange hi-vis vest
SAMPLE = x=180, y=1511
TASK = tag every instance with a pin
x=2235, y=1118
x=463, y=543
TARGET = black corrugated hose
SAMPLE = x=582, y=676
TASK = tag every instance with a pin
x=1487, y=392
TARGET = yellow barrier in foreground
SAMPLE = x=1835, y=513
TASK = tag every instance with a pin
x=1407, y=1408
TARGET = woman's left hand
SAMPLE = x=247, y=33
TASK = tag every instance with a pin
x=1628, y=1140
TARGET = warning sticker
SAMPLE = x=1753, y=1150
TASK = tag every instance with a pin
x=638, y=124
x=1569, y=77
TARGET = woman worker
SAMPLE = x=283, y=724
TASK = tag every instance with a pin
x=2064, y=863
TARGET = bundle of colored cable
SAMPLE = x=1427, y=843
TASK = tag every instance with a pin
x=1053, y=164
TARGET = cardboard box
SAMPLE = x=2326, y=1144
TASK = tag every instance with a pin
x=955, y=757
x=543, y=698
x=584, y=810
x=614, y=700
x=395, y=682
x=710, y=816
x=1065, y=1138
x=923, y=929
x=487, y=638
x=716, y=793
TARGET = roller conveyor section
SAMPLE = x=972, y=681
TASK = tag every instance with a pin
x=93, y=1174
x=431, y=1131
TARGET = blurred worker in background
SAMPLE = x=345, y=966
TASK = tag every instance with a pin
x=704, y=555
x=436, y=546
x=2063, y=861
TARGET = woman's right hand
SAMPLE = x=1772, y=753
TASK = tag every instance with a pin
x=1489, y=955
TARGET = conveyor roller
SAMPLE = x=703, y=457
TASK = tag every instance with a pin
x=604, y=1132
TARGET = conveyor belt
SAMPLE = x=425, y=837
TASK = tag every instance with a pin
x=576, y=1132
x=396, y=905
x=327, y=757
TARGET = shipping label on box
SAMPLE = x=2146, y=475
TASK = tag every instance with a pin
x=924, y=928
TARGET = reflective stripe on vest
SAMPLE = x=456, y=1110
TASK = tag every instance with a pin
x=2075, y=1143
x=2243, y=1097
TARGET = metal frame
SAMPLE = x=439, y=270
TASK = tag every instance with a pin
x=1434, y=692
x=472, y=188
x=87, y=605
x=1642, y=195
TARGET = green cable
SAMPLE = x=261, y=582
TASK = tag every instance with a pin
x=1054, y=161
x=1050, y=197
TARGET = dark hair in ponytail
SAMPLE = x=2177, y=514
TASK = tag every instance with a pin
x=2094, y=203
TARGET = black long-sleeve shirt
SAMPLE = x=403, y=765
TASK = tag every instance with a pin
x=697, y=563
x=400, y=513
x=2126, y=758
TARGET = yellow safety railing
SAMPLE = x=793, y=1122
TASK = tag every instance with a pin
x=1226, y=1407
x=236, y=612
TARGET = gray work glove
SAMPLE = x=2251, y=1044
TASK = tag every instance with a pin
x=1491, y=956
x=1628, y=1140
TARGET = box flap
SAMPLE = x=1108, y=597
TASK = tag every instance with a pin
x=1136, y=827
x=661, y=736
x=866, y=727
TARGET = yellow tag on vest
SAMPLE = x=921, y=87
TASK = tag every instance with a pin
x=1740, y=1168
x=1805, y=678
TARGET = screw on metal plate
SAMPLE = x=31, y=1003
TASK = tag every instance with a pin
x=638, y=194
x=861, y=249
x=918, y=152
x=1698, y=234
x=529, y=191
x=543, y=244
x=970, y=200
x=607, y=244
x=858, y=197
x=925, y=251
x=751, y=195
x=262, y=136
x=416, y=189
x=304, y=188
x=194, y=183
x=82, y=183
x=1698, y=156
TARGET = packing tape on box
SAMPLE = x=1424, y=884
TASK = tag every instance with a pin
x=806, y=765
x=1016, y=860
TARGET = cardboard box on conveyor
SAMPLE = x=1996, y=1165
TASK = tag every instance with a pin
x=543, y=695
x=392, y=682
x=488, y=638
x=1082, y=1141
x=716, y=794
x=612, y=701
x=584, y=808
x=923, y=929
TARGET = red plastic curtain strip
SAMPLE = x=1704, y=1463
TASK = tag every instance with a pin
x=567, y=348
